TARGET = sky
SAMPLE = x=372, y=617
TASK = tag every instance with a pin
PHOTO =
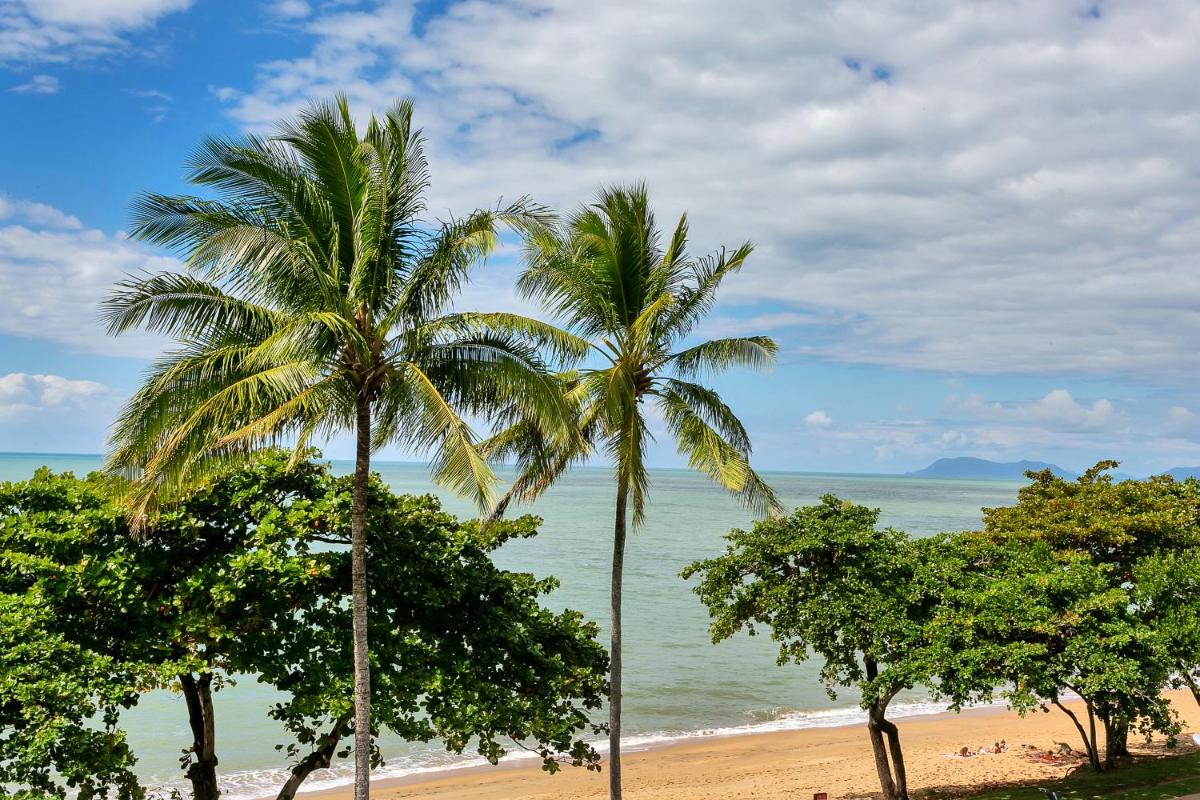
x=976, y=225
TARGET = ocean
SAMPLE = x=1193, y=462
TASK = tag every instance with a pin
x=677, y=683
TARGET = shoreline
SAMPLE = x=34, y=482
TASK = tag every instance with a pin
x=784, y=763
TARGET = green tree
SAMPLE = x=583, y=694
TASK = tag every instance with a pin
x=247, y=575
x=826, y=581
x=1048, y=624
x=315, y=303
x=1166, y=588
x=1065, y=593
x=466, y=654
x=59, y=705
x=628, y=300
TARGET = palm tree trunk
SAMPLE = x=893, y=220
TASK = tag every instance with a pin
x=358, y=589
x=614, y=653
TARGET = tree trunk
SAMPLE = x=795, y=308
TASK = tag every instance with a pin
x=1089, y=743
x=1097, y=763
x=1192, y=683
x=893, y=737
x=614, y=653
x=358, y=561
x=877, y=727
x=1116, y=740
x=202, y=771
x=882, y=767
x=317, y=759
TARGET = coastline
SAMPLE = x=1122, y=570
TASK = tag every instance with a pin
x=786, y=764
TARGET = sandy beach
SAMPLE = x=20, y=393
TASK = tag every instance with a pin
x=789, y=764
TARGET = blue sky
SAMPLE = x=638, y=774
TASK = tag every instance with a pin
x=977, y=225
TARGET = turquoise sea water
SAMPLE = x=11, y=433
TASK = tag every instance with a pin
x=677, y=683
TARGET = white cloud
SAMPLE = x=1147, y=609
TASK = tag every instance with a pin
x=38, y=84
x=959, y=187
x=37, y=214
x=157, y=103
x=1058, y=410
x=818, y=419
x=24, y=395
x=1056, y=427
x=54, y=273
x=1178, y=416
x=69, y=30
x=151, y=94
x=289, y=9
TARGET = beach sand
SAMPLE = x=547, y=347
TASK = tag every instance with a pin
x=788, y=764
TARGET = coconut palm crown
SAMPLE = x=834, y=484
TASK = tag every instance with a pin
x=631, y=300
x=316, y=300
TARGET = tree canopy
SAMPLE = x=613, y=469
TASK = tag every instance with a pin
x=247, y=575
x=826, y=581
x=1082, y=588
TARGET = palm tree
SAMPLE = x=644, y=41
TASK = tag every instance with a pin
x=315, y=302
x=629, y=301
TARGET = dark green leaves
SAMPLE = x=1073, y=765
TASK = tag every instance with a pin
x=248, y=574
x=825, y=581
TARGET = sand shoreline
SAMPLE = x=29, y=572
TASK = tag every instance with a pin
x=781, y=764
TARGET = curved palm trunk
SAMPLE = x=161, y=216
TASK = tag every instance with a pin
x=358, y=589
x=614, y=654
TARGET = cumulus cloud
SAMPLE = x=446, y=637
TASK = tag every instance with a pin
x=68, y=30
x=1058, y=410
x=54, y=272
x=1056, y=427
x=818, y=419
x=38, y=84
x=1180, y=417
x=959, y=187
x=22, y=394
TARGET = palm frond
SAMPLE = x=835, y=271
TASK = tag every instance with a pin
x=711, y=453
x=717, y=355
x=697, y=298
x=178, y=304
x=603, y=273
x=457, y=462
x=706, y=404
x=441, y=270
x=560, y=345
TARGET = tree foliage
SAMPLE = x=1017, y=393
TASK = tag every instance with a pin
x=826, y=581
x=314, y=284
x=317, y=300
x=1065, y=594
x=1081, y=589
x=248, y=575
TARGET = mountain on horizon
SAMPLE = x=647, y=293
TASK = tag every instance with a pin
x=982, y=469
x=1182, y=473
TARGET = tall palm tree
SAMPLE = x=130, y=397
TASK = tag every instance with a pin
x=630, y=301
x=315, y=302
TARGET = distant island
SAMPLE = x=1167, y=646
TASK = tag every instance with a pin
x=982, y=469
x=1182, y=473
